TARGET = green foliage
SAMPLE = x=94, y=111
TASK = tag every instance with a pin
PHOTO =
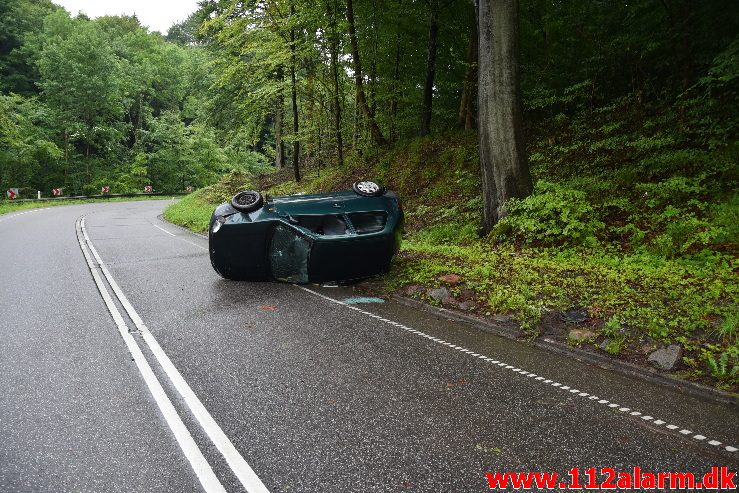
x=18, y=20
x=227, y=187
x=81, y=80
x=710, y=101
x=727, y=329
x=552, y=215
x=28, y=153
x=725, y=367
x=108, y=109
x=614, y=331
x=660, y=298
x=449, y=232
x=193, y=212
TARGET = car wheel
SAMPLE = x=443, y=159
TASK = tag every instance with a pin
x=368, y=188
x=247, y=201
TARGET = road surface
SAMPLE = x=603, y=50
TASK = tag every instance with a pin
x=127, y=364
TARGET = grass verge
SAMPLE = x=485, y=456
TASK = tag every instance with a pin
x=8, y=206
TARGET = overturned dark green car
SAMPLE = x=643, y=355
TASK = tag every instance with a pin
x=327, y=237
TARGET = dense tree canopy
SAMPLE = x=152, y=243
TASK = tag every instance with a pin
x=105, y=102
x=243, y=83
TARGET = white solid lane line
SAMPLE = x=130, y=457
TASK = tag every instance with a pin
x=200, y=465
x=240, y=467
x=559, y=386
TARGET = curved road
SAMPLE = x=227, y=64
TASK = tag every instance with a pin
x=127, y=364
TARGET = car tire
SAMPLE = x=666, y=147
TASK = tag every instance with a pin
x=368, y=188
x=247, y=201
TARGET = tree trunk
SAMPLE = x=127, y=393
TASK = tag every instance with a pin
x=428, y=87
x=334, y=47
x=396, y=80
x=373, y=64
x=87, y=162
x=319, y=144
x=296, y=141
x=361, y=98
x=66, y=156
x=309, y=114
x=279, y=112
x=505, y=171
x=355, y=131
x=465, y=118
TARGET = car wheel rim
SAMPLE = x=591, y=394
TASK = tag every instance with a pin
x=246, y=199
x=368, y=187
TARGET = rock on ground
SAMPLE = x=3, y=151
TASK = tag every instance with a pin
x=574, y=316
x=452, y=279
x=666, y=358
x=414, y=289
x=439, y=294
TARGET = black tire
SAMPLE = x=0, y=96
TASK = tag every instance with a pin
x=368, y=188
x=247, y=201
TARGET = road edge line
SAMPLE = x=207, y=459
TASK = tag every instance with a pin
x=655, y=423
x=625, y=368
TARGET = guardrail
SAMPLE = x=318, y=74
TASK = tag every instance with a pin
x=103, y=196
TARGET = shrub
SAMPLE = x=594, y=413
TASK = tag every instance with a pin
x=671, y=191
x=553, y=215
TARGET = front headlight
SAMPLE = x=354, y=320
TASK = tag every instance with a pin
x=218, y=223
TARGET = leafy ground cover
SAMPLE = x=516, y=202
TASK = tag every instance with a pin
x=642, y=245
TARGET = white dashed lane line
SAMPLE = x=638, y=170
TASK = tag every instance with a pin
x=5, y=217
x=181, y=238
x=575, y=392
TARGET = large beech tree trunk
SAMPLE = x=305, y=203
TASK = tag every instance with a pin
x=505, y=170
x=428, y=87
x=361, y=98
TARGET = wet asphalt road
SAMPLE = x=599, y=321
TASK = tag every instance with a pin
x=315, y=396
